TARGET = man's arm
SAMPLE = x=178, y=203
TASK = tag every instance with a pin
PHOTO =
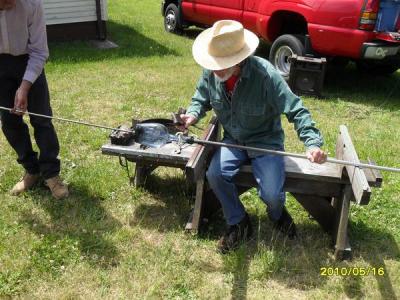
x=37, y=46
x=291, y=105
x=200, y=102
x=38, y=53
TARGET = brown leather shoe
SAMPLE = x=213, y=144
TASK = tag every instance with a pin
x=27, y=182
x=58, y=188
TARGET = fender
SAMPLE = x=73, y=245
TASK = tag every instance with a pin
x=269, y=14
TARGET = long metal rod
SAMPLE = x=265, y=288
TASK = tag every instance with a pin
x=64, y=120
x=219, y=144
x=282, y=153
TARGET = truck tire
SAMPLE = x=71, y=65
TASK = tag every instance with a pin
x=172, y=19
x=282, y=49
x=377, y=67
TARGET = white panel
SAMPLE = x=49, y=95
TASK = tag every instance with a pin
x=72, y=11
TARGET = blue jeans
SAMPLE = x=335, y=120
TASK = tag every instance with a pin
x=268, y=171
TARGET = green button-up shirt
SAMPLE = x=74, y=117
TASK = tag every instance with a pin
x=252, y=116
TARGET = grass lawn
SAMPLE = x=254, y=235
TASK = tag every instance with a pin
x=109, y=240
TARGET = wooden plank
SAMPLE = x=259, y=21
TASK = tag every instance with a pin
x=198, y=205
x=309, y=187
x=342, y=244
x=304, y=169
x=141, y=173
x=165, y=154
x=197, y=162
x=359, y=183
x=339, y=153
x=295, y=185
x=298, y=168
x=376, y=175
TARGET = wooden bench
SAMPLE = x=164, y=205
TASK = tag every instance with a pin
x=325, y=191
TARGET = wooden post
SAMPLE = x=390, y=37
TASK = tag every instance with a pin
x=193, y=223
x=141, y=173
x=342, y=244
x=195, y=171
x=359, y=183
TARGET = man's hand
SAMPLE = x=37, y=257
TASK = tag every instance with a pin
x=188, y=120
x=21, y=98
x=317, y=155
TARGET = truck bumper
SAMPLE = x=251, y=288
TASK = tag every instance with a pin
x=379, y=50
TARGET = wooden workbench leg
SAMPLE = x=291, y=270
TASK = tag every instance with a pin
x=141, y=173
x=194, y=219
x=342, y=244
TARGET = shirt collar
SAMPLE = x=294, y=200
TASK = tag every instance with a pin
x=245, y=68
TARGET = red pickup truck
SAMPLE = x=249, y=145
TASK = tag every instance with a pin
x=340, y=30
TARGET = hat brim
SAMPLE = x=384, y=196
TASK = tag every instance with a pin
x=214, y=63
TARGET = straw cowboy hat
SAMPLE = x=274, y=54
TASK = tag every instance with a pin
x=224, y=45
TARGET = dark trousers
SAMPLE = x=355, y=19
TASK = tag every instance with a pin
x=12, y=69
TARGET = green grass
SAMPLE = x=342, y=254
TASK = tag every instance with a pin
x=109, y=240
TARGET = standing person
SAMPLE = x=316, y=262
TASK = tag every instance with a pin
x=248, y=96
x=23, y=86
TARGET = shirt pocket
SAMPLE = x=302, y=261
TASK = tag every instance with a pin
x=217, y=104
x=252, y=116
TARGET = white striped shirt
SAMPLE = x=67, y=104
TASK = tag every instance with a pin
x=23, y=31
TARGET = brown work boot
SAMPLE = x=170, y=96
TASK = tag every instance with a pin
x=58, y=188
x=27, y=182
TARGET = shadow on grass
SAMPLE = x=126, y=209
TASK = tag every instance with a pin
x=297, y=263
x=75, y=230
x=374, y=246
x=350, y=85
x=130, y=43
x=171, y=211
x=192, y=32
x=294, y=263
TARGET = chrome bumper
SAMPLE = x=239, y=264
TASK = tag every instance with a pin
x=379, y=50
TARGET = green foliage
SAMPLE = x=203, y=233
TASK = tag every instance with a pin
x=10, y=283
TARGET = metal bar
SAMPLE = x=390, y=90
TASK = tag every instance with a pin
x=219, y=144
x=64, y=120
x=282, y=153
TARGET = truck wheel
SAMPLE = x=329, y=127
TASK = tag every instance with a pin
x=377, y=68
x=172, y=19
x=282, y=49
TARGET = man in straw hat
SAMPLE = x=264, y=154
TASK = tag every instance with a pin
x=23, y=85
x=248, y=96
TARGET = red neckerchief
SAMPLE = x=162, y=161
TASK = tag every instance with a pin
x=230, y=83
